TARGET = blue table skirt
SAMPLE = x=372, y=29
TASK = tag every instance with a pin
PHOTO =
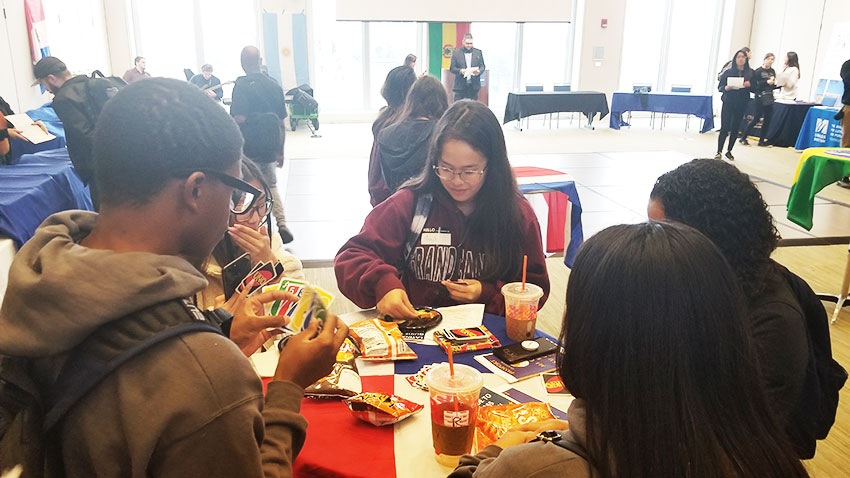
x=677, y=103
x=46, y=115
x=820, y=129
x=37, y=186
x=576, y=232
x=429, y=354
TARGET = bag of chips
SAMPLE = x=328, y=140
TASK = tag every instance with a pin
x=343, y=381
x=379, y=409
x=493, y=421
x=380, y=341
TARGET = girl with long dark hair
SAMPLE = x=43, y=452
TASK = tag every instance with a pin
x=474, y=235
x=789, y=77
x=403, y=146
x=397, y=84
x=662, y=376
x=735, y=99
x=763, y=84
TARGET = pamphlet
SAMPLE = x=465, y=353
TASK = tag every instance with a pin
x=518, y=371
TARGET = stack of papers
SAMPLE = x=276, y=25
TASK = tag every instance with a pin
x=32, y=132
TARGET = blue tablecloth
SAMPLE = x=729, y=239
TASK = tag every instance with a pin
x=37, y=186
x=576, y=232
x=428, y=354
x=677, y=103
x=786, y=123
x=46, y=115
x=820, y=129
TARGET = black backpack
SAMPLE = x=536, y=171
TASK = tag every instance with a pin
x=814, y=413
x=99, y=90
x=30, y=410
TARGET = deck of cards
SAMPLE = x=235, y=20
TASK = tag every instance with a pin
x=299, y=312
x=262, y=274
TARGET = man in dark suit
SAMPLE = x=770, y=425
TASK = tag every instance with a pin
x=467, y=65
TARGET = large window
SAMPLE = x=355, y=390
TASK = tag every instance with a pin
x=643, y=35
x=669, y=42
x=177, y=34
x=497, y=42
x=545, y=54
x=389, y=43
x=691, y=30
x=77, y=34
x=338, y=60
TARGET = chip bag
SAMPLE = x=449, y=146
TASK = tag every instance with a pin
x=343, y=381
x=380, y=341
x=379, y=409
x=493, y=421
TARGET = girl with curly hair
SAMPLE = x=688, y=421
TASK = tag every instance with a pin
x=722, y=203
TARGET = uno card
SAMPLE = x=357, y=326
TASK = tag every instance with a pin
x=309, y=308
x=259, y=277
x=554, y=384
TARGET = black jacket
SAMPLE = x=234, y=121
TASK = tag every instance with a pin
x=845, y=76
x=459, y=62
x=402, y=150
x=738, y=97
x=71, y=104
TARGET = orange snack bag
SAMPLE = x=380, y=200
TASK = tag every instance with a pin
x=493, y=421
x=380, y=341
x=379, y=409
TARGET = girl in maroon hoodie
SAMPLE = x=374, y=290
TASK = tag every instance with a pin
x=475, y=231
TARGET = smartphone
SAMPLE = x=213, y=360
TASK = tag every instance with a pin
x=233, y=273
x=517, y=352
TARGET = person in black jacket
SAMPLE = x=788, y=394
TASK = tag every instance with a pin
x=721, y=202
x=763, y=84
x=467, y=65
x=845, y=121
x=403, y=146
x=735, y=100
x=259, y=109
x=71, y=102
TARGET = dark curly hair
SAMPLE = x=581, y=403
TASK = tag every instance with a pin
x=721, y=202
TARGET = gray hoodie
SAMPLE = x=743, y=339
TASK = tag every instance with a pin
x=191, y=406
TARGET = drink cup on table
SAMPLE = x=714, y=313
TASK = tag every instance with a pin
x=521, y=309
x=454, y=408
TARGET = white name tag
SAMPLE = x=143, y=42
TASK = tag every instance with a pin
x=436, y=239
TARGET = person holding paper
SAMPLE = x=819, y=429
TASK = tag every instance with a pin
x=735, y=86
x=467, y=65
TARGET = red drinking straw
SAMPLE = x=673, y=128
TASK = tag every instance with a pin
x=451, y=362
x=524, y=269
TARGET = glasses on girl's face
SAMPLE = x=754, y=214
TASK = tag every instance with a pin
x=466, y=175
x=261, y=207
x=244, y=195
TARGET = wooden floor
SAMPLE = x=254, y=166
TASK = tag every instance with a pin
x=821, y=266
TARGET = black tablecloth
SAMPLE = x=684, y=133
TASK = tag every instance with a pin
x=785, y=123
x=531, y=103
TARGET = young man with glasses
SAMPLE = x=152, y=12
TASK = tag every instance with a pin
x=192, y=405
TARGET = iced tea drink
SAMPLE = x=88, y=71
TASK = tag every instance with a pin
x=521, y=309
x=454, y=409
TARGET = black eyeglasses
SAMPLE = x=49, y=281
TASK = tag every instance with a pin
x=244, y=195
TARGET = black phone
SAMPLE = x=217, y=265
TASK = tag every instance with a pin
x=233, y=273
x=525, y=350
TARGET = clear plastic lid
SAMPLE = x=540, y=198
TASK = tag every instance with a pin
x=465, y=380
x=514, y=291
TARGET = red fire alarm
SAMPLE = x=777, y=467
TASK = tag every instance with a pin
x=604, y=23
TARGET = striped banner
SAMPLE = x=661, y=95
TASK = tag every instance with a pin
x=443, y=38
x=285, y=48
x=37, y=29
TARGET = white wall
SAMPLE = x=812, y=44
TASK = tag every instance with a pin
x=601, y=76
x=119, y=35
x=803, y=26
x=25, y=97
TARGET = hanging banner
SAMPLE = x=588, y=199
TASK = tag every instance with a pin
x=37, y=29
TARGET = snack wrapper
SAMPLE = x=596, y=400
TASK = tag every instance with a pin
x=493, y=421
x=461, y=347
x=344, y=380
x=380, y=341
x=379, y=409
